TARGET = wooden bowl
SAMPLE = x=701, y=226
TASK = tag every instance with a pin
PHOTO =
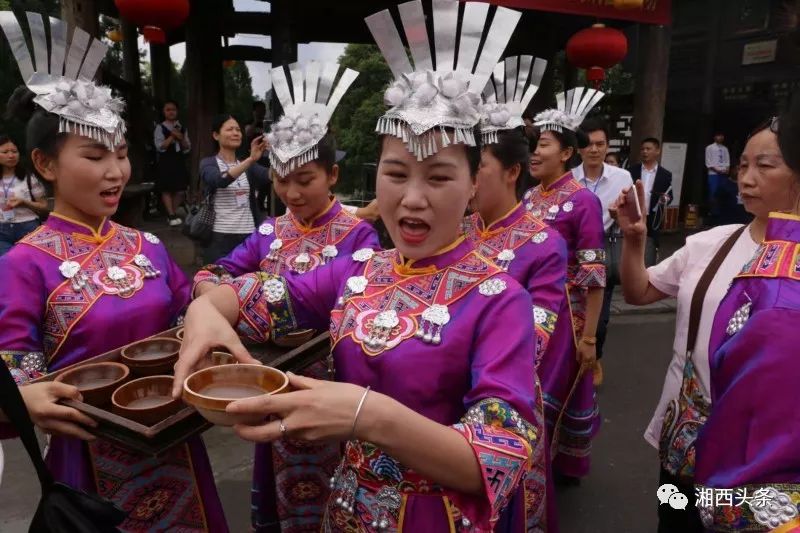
x=294, y=339
x=218, y=358
x=96, y=381
x=211, y=390
x=146, y=400
x=152, y=357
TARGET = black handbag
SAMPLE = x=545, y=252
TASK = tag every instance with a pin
x=62, y=509
x=199, y=225
x=613, y=255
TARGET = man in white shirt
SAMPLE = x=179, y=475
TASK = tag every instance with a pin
x=607, y=182
x=718, y=164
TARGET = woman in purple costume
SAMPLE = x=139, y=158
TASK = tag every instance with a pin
x=84, y=285
x=432, y=342
x=748, y=445
x=561, y=202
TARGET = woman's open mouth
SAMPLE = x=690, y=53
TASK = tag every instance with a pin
x=414, y=230
x=111, y=195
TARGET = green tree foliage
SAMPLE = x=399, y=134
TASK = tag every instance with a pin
x=355, y=118
x=238, y=86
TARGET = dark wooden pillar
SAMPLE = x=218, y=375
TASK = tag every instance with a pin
x=137, y=114
x=696, y=157
x=650, y=95
x=204, y=78
x=83, y=14
x=284, y=51
x=160, y=68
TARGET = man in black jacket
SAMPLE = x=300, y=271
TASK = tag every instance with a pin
x=658, y=192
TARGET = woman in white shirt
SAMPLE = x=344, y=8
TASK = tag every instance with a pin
x=678, y=276
x=21, y=197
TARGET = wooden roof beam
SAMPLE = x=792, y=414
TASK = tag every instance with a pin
x=252, y=22
x=240, y=52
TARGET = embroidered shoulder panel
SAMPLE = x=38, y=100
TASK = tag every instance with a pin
x=493, y=244
x=539, y=202
x=298, y=250
x=391, y=307
x=106, y=269
x=774, y=259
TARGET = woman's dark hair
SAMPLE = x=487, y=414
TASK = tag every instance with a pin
x=42, y=128
x=512, y=149
x=19, y=170
x=473, y=153
x=170, y=101
x=788, y=126
x=326, y=150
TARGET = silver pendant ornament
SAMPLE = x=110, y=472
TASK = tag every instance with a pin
x=739, y=319
x=329, y=253
x=504, y=259
x=432, y=322
x=380, y=329
x=119, y=278
x=387, y=504
x=344, y=485
x=71, y=270
x=274, y=249
x=147, y=267
x=301, y=263
x=354, y=285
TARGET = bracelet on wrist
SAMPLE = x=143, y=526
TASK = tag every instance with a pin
x=591, y=341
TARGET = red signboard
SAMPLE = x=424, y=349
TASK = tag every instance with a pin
x=649, y=12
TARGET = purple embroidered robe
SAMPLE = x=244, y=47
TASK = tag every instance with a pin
x=284, y=244
x=575, y=212
x=48, y=324
x=535, y=255
x=457, y=316
x=750, y=441
x=291, y=478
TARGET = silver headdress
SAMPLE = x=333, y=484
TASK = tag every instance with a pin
x=571, y=109
x=63, y=82
x=440, y=90
x=295, y=137
x=511, y=88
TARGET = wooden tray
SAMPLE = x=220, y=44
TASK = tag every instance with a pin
x=186, y=423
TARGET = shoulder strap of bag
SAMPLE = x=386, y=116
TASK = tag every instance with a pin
x=14, y=408
x=699, y=295
x=30, y=187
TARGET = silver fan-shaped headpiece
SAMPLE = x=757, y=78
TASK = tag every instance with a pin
x=63, y=79
x=511, y=88
x=571, y=109
x=440, y=90
x=295, y=137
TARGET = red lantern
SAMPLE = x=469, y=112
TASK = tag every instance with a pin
x=155, y=17
x=596, y=49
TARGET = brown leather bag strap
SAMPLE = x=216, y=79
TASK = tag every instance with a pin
x=699, y=295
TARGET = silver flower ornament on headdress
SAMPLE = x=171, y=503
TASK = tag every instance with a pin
x=62, y=81
x=571, y=110
x=295, y=137
x=511, y=88
x=441, y=90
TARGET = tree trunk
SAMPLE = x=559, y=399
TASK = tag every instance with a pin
x=204, y=79
x=160, y=69
x=82, y=14
x=650, y=95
